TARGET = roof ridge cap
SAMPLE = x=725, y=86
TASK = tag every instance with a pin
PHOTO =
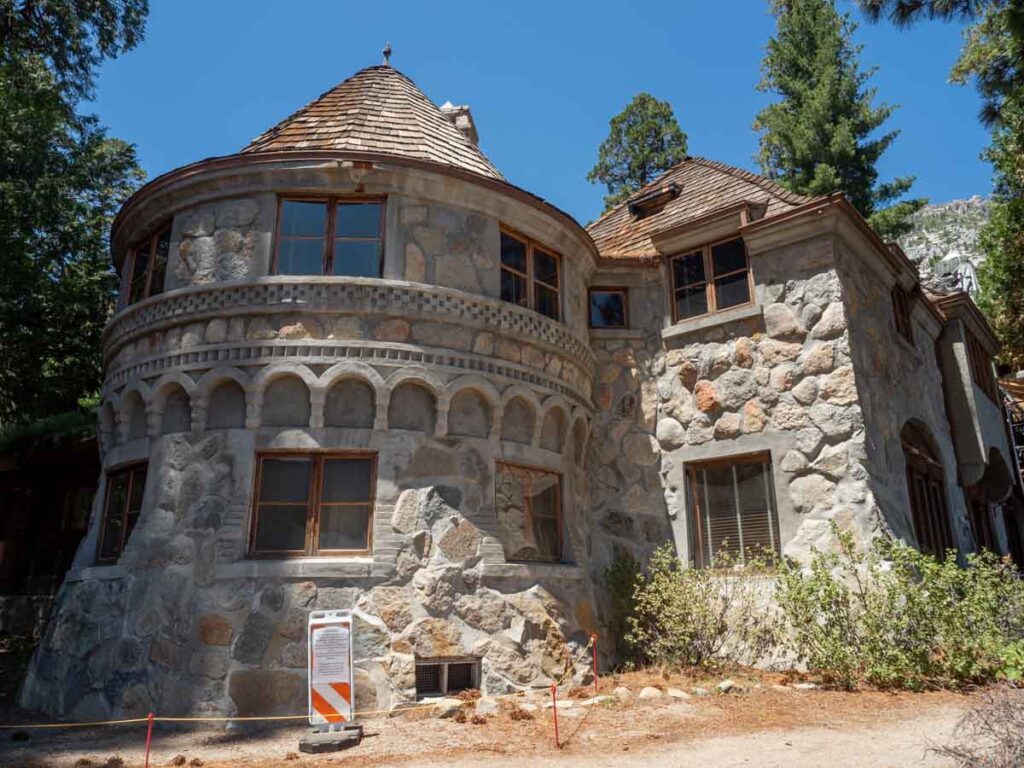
x=754, y=178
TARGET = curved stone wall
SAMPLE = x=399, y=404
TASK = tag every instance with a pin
x=425, y=369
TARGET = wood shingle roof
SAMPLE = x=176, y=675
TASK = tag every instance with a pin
x=377, y=110
x=705, y=186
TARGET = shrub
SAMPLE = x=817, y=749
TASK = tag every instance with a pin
x=620, y=581
x=899, y=618
x=695, y=617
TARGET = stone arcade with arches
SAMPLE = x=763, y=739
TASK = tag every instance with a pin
x=354, y=367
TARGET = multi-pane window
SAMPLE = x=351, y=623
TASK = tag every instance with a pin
x=312, y=504
x=733, y=508
x=609, y=308
x=926, y=487
x=529, y=275
x=125, y=489
x=330, y=237
x=147, y=266
x=710, y=279
x=529, y=504
x=901, y=313
x=981, y=367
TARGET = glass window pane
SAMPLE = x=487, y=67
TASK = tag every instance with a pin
x=545, y=268
x=607, y=309
x=357, y=258
x=513, y=288
x=110, y=547
x=344, y=527
x=720, y=522
x=547, y=301
x=140, y=266
x=358, y=220
x=544, y=499
x=346, y=480
x=691, y=302
x=688, y=269
x=755, y=509
x=513, y=252
x=300, y=257
x=117, y=499
x=159, y=270
x=285, y=479
x=303, y=218
x=728, y=257
x=281, y=528
x=138, y=488
x=732, y=291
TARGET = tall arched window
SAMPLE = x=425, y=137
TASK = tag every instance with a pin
x=927, y=489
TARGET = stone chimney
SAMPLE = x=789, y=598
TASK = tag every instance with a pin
x=462, y=119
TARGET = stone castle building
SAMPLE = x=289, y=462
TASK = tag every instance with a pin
x=354, y=367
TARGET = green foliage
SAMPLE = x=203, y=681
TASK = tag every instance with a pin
x=1012, y=662
x=821, y=136
x=48, y=432
x=684, y=616
x=644, y=141
x=897, y=618
x=61, y=181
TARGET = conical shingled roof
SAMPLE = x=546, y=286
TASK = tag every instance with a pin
x=705, y=186
x=378, y=109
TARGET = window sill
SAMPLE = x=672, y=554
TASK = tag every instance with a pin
x=96, y=573
x=693, y=325
x=298, y=567
x=547, y=571
x=616, y=333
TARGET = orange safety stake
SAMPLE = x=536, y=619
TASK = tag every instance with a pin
x=149, y=736
x=554, y=711
x=593, y=644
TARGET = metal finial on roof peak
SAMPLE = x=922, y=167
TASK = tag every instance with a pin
x=387, y=54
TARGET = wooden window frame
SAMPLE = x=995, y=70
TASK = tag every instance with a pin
x=313, y=504
x=519, y=469
x=697, y=503
x=901, y=313
x=926, y=489
x=332, y=202
x=122, y=469
x=981, y=368
x=625, y=305
x=150, y=245
x=709, y=279
x=531, y=281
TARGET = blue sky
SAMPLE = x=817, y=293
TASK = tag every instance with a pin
x=542, y=79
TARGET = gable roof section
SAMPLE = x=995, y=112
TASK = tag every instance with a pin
x=706, y=186
x=378, y=110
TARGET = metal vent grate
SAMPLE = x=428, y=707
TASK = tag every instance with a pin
x=428, y=679
x=460, y=676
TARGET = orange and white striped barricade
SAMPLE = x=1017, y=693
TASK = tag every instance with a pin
x=331, y=684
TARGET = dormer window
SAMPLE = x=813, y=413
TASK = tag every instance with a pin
x=653, y=201
x=147, y=266
x=330, y=236
x=710, y=279
x=530, y=275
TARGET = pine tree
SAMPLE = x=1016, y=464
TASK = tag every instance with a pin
x=820, y=137
x=644, y=141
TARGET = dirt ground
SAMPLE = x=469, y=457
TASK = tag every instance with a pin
x=764, y=724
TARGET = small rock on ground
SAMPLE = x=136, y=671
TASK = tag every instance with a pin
x=701, y=692
x=727, y=685
x=596, y=700
x=676, y=693
x=805, y=686
x=622, y=693
x=650, y=693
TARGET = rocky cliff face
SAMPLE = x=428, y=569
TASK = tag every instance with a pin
x=944, y=241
